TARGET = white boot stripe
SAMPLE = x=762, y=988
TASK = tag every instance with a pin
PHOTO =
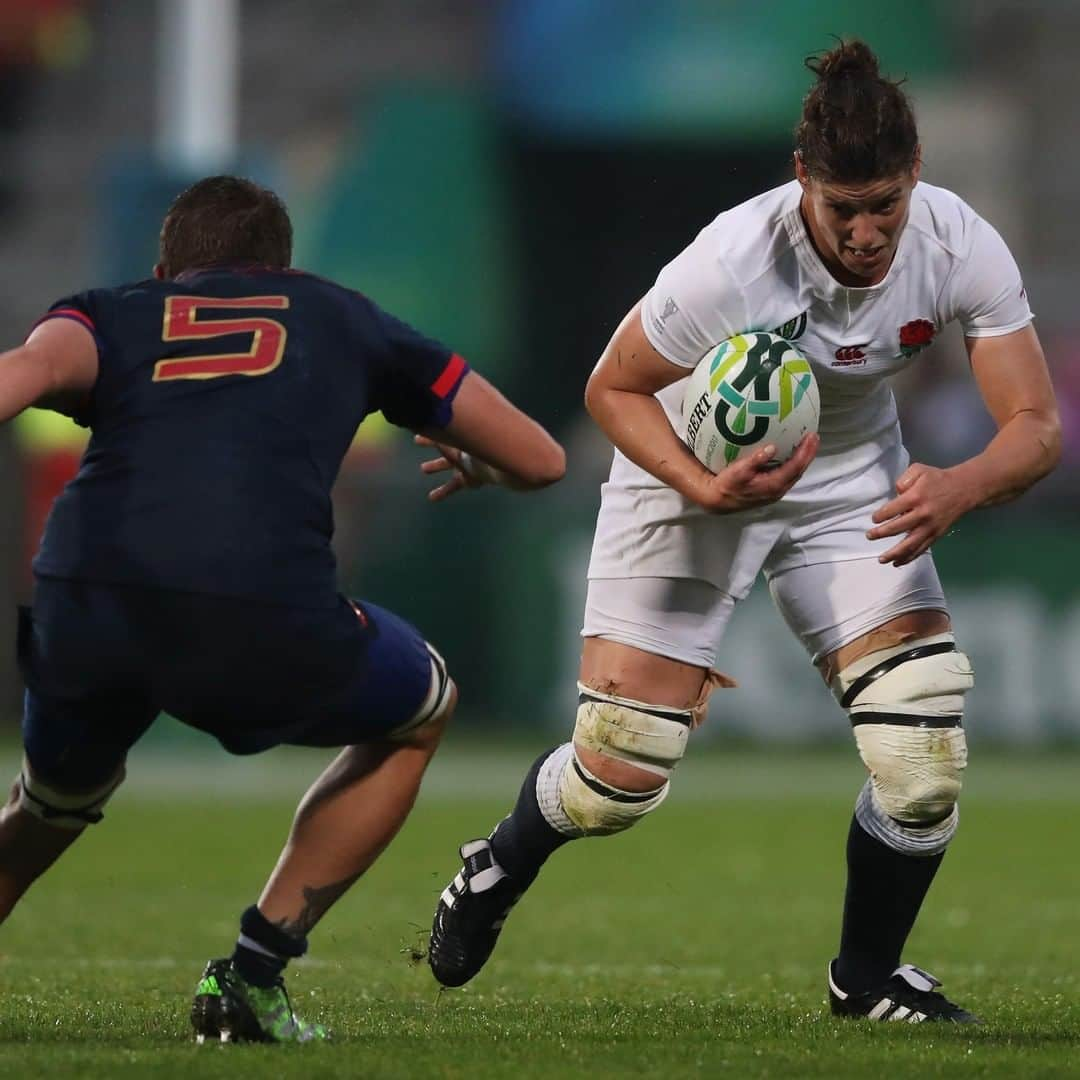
x=880, y=1009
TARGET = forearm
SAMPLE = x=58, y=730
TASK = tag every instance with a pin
x=1024, y=450
x=639, y=427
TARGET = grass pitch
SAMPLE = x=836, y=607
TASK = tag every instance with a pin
x=694, y=945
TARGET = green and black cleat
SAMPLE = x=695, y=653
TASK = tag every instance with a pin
x=229, y=1009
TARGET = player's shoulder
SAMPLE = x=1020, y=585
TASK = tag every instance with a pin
x=315, y=287
x=943, y=219
x=751, y=237
x=100, y=303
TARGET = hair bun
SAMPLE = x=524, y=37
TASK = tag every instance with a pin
x=849, y=59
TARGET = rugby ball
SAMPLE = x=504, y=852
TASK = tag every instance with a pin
x=745, y=392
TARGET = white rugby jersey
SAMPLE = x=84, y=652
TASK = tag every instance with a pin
x=755, y=268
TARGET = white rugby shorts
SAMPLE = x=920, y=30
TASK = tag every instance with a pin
x=667, y=582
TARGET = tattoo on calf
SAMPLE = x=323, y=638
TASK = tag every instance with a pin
x=317, y=901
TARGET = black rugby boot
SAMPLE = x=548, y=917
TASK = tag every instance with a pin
x=908, y=995
x=470, y=915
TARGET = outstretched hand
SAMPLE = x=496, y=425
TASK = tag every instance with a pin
x=928, y=502
x=751, y=481
x=450, y=460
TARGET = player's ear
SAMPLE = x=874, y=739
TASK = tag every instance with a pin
x=159, y=271
x=800, y=170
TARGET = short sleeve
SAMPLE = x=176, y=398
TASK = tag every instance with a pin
x=79, y=308
x=694, y=305
x=419, y=378
x=988, y=294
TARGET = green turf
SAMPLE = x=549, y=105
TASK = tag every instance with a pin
x=695, y=945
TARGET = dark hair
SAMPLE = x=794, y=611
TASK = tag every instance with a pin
x=856, y=126
x=225, y=219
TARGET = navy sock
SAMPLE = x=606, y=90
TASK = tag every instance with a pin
x=523, y=841
x=264, y=949
x=885, y=890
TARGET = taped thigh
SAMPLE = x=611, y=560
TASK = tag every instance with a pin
x=650, y=737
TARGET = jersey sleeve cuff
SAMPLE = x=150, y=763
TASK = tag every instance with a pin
x=997, y=331
x=662, y=346
x=75, y=315
x=444, y=389
x=446, y=385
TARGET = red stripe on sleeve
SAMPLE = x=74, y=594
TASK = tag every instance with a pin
x=69, y=313
x=449, y=378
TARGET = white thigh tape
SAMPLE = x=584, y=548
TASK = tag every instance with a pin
x=651, y=737
x=65, y=811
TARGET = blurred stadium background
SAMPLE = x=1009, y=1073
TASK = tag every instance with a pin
x=509, y=175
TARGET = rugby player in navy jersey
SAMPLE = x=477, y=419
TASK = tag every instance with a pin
x=188, y=567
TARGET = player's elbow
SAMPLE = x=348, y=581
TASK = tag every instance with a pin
x=1049, y=439
x=1052, y=440
x=594, y=396
x=548, y=466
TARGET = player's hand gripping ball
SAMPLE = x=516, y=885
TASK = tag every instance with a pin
x=750, y=390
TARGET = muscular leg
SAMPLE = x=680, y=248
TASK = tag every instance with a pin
x=342, y=825
x=28, y=847
x=39, y=822
x=637, y=705
x=886, y=886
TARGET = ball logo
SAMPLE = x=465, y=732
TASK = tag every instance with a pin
x=793, y=329
x=747, y=398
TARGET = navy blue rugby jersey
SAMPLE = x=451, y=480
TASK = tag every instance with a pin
x=225, y=402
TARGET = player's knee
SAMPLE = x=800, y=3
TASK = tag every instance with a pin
x=435, y=728
x=599, y=809
x=623, y=756
x=906, y=708
x=63, y=810
x=917, y=773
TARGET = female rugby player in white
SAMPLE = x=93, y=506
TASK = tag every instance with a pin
x=863, y=266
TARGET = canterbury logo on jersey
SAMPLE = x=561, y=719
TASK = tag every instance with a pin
x=851, y=355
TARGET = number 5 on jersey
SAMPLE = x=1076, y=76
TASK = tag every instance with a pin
x=182, y=323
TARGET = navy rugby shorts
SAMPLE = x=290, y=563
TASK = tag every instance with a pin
x=100, y=662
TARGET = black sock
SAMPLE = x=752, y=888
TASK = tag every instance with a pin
x=254, y=965
x=523, y=841
x=885, y=890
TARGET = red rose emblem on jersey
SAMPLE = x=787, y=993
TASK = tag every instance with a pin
x=916, y=335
